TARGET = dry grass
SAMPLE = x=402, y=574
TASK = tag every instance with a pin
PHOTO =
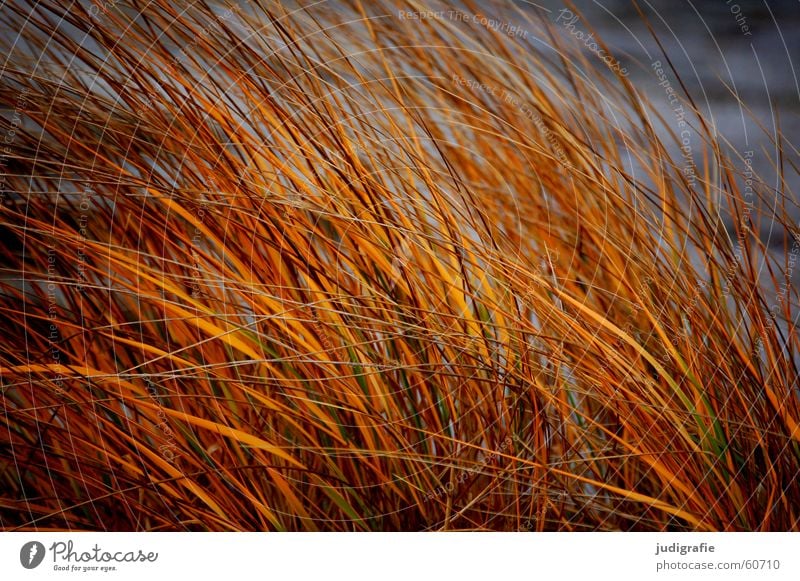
x=300, y=279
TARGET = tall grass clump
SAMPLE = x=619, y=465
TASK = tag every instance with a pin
x=275, y=266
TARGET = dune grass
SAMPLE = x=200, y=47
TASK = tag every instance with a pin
x=286, y=268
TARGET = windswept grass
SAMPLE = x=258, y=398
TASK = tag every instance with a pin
x=286, y=268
